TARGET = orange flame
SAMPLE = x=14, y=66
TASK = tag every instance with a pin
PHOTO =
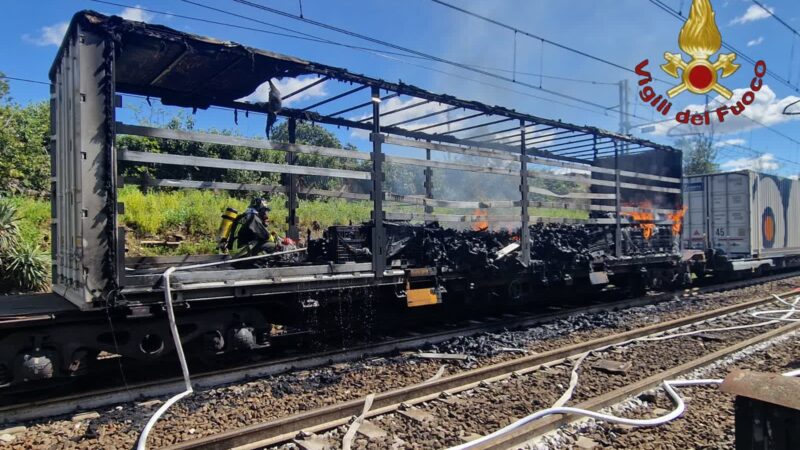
x=677, y=220
x=645, y=219
x=480, y=225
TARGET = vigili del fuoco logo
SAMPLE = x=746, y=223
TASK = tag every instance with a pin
x=700, y=39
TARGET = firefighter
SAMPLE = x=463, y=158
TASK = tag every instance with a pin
x=250, y=235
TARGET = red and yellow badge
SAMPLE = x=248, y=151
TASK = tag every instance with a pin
x=701, y=40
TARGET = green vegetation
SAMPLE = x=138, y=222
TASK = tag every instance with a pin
x=699, y=155
x=24, y=265
x=195, y=215
x=192, y=216
x=24, y=134
x=34, y=220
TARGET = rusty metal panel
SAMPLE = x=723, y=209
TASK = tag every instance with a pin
x=767, y=387
x=767, y=410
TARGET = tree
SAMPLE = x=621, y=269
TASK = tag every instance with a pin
x=24, y=136
x=312, y=134
x=699, y=155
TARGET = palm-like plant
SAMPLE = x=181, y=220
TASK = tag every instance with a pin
x=27, y=266
x=9, y=226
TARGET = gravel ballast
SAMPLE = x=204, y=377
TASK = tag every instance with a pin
x=269, y=398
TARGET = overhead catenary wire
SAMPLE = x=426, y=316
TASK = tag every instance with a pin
x=395, y=56
x=669, y=10
x=604, y=112
x=414, y=52
x=26, y=80
x=381, y=53
x=540, y=38
x=776, y=17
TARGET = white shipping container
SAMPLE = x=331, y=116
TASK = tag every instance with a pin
x=744, y=214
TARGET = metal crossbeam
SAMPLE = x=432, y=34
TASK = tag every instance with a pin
x=335, y=97
x=361, y=105
x=305, y=88
x=425, y=116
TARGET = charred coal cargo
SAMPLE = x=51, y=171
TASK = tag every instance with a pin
x=560, y=253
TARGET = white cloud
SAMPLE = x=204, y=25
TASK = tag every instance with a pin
x=48, y=35
x=753, y=13
x=730, y=142
x=763, y=163
x=756, y=41
x=136, y=14
x=767, y=109
x=286, y=86
x=54, y=34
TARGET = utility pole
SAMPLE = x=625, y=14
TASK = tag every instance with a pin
x=624, y=124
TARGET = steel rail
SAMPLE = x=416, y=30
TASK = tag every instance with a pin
x=71, y=403
x=547, y=424
x=284, y=429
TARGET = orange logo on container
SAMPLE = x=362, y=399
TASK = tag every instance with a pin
x=768, y=227
x=701, y=40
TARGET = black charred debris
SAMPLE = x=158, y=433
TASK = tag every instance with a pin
x=556, y=249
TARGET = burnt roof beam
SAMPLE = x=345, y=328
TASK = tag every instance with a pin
x=305, y=88
x=334, y=98
x=361, y=105
x=424, y=116
x=314, y=116
x=393, y=111
x=480, y=125
x=517, y=136
x=131, y=33
x=492, y=133
x=547, y=137
x=591, y=144
x=459, y=119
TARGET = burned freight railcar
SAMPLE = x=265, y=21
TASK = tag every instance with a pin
x=403, y=258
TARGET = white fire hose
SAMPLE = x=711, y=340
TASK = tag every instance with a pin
x=669, y=385
x=173, y=327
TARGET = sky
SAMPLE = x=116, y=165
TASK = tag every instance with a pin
x=574, y=88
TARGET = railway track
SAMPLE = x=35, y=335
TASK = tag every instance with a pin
x=403, y=401
x=136, y=392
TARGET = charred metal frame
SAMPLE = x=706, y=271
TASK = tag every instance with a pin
x=218, y=73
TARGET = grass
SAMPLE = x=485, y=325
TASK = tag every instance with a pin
x=195, y=214
x=34, y=220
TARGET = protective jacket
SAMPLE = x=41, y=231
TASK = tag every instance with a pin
x=250, y=235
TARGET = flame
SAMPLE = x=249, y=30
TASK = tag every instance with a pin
x=700, y=36
x=645, y=219
x=480, y=225
x=677, y=220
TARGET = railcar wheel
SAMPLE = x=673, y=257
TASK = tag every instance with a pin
x=36, y=365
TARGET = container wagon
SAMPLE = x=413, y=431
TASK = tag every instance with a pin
x=741, y=222
x=104, y=300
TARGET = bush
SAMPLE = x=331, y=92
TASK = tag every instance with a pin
x=27, y=267
x=23, y=265
x=9, y=225
x=34, y=220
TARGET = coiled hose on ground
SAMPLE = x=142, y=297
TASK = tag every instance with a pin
x=669, y=385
